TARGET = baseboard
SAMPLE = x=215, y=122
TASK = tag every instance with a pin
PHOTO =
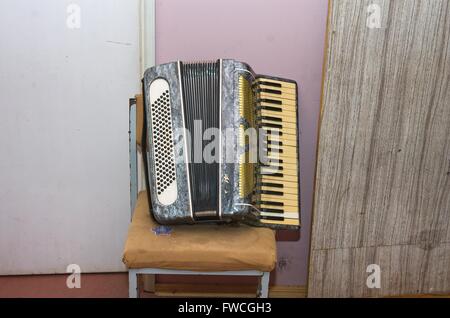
x=288, y=292
x=220, y=290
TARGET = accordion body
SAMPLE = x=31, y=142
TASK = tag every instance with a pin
x=221, y=145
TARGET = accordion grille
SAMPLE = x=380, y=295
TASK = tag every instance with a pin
x=246, y=104
x=246, y=110
x=246, y=167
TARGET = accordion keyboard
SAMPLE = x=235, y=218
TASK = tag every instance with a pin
x=277, y=185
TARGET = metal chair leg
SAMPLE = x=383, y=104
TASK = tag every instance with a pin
x=132, y=283
x=263, y=286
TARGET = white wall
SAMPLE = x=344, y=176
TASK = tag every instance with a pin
x=64, y=174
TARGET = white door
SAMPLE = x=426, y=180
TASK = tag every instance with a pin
x=67, y=69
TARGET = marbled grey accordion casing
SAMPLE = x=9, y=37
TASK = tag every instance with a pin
x=182, y=190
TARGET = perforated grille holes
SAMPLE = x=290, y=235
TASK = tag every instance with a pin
x=163, y=142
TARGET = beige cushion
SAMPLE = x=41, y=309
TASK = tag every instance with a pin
x=197, y=247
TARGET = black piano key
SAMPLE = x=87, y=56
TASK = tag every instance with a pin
x=272, y=185
x=272, y=218
x=277, y=175
x=268, y=192
x=273, y=203
x=277, y=119
x=267, y=90
x=268, y=84
x=272, y=210
x=269, y=101
x=271, y=108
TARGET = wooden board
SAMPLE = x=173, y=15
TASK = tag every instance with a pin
x=382, y=192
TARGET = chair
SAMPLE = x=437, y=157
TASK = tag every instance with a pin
x=203, y=249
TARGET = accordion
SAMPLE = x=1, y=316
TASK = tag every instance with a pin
x=221, y=145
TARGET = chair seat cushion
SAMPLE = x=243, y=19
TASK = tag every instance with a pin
x=200, y=247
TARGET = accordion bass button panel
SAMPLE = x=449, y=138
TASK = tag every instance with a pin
x=161, y=117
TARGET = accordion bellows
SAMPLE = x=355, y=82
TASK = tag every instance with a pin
x=221, y=145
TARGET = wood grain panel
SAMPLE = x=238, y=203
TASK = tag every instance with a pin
x=383, y=171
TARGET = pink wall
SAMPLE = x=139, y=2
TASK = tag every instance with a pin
x=276, y=37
